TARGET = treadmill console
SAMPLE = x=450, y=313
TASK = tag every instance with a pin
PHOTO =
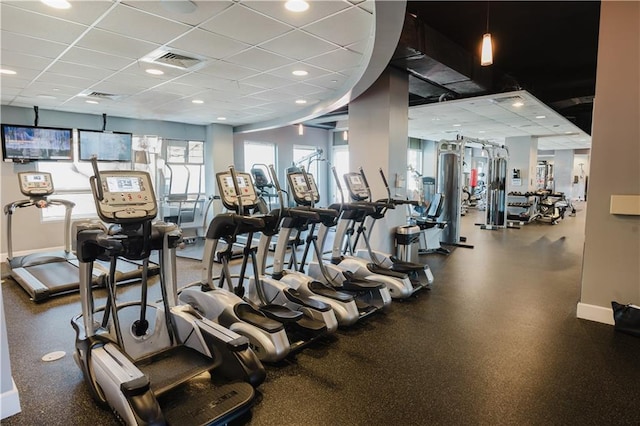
x=302, y=194
x=228, y=194
x=35, y=184
x=356, y=186
x=127, y=197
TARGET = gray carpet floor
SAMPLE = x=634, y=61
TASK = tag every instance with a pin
x=495, y=342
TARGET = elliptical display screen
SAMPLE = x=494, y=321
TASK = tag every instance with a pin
x=123, y=184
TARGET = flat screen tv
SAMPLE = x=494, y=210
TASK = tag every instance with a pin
x=31, y=143
x=106, y=146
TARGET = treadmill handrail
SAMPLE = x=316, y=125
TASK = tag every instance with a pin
x=10, y=208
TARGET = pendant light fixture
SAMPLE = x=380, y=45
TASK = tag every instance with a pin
x=300, y=129
x=486, y=57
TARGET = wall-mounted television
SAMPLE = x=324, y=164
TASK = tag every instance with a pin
x=106, y=146
x=31, y=143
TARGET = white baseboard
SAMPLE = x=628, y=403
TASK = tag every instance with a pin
x=9, y=402
x=595, y=313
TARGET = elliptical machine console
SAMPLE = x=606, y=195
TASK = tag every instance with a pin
x=125, y=196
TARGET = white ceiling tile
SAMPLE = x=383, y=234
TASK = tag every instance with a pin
x=331, y=81
x=268, y=81
x=227, y=70
x=317, y=10
x=241, y=23
x=347, y=27
x=35, y=46
x=11, y=58
x=303, y=90
x=298, y=45
x=367, y=5
x=287, y=72
x=258, y=59
x=79, y=55
x=114, y=44
x=83, y=12
x=204, y=81
x=82, y=71
x=178, y=89
x=133, y=23
x=53, y=78
x=204, y=11
x=337, y=60
x=208, y=44
x=21, y=21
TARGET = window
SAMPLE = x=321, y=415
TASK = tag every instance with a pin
x=307, y=157
x=340, y=156
x=258, y=153
x=414, y=170
x=71, y=182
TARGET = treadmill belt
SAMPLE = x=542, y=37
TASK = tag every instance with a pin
x=57, y=276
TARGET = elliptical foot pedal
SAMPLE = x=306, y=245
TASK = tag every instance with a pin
x=200, y=402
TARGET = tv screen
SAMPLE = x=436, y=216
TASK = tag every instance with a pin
x=106, y=146
x=30, y=143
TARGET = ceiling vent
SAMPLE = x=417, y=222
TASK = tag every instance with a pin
x=508, y=99
x=102, y=95
x=174, y=59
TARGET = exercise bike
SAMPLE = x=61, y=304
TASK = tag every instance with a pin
x=152, y=363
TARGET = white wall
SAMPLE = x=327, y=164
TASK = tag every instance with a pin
x=30, y=233
x=581, y=170
x=563, y=171
x=610, y=268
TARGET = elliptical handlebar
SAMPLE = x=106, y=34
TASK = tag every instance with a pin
x=366, y=182
x=96, y=177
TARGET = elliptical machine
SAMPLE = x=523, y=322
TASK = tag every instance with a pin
x=140, y=358
x=420, y=275
x=273, y=330
x=369, y=290
x=290, y=287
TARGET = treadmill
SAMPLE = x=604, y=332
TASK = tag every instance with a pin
x=45, y=274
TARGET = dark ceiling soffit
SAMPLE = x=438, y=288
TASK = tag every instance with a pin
x=439, y=68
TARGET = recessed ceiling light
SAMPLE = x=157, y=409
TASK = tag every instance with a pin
x=197, y=101
x=517, y=104
x=481, y=131
x=567, y=132
x=57, y=4
x=334, y=81
x=296, y=5
x=300, y=73
x=43, y=96
x=55, y=89
x=541, y=116
x=91, y=102
x=457, y=125
x=222, y=118
x=154, y=71
x=301, y=101
x=6, y=71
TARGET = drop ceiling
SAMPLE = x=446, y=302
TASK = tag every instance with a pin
x=243, y=55
x=494, y=118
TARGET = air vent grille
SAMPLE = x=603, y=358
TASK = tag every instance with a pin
x=510, y=99
x=103, y=95
x=177, y=60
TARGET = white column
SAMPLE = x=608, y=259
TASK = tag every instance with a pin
x=523, y=156
x=563, y=171
x=379, y=137
x=612, y=241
